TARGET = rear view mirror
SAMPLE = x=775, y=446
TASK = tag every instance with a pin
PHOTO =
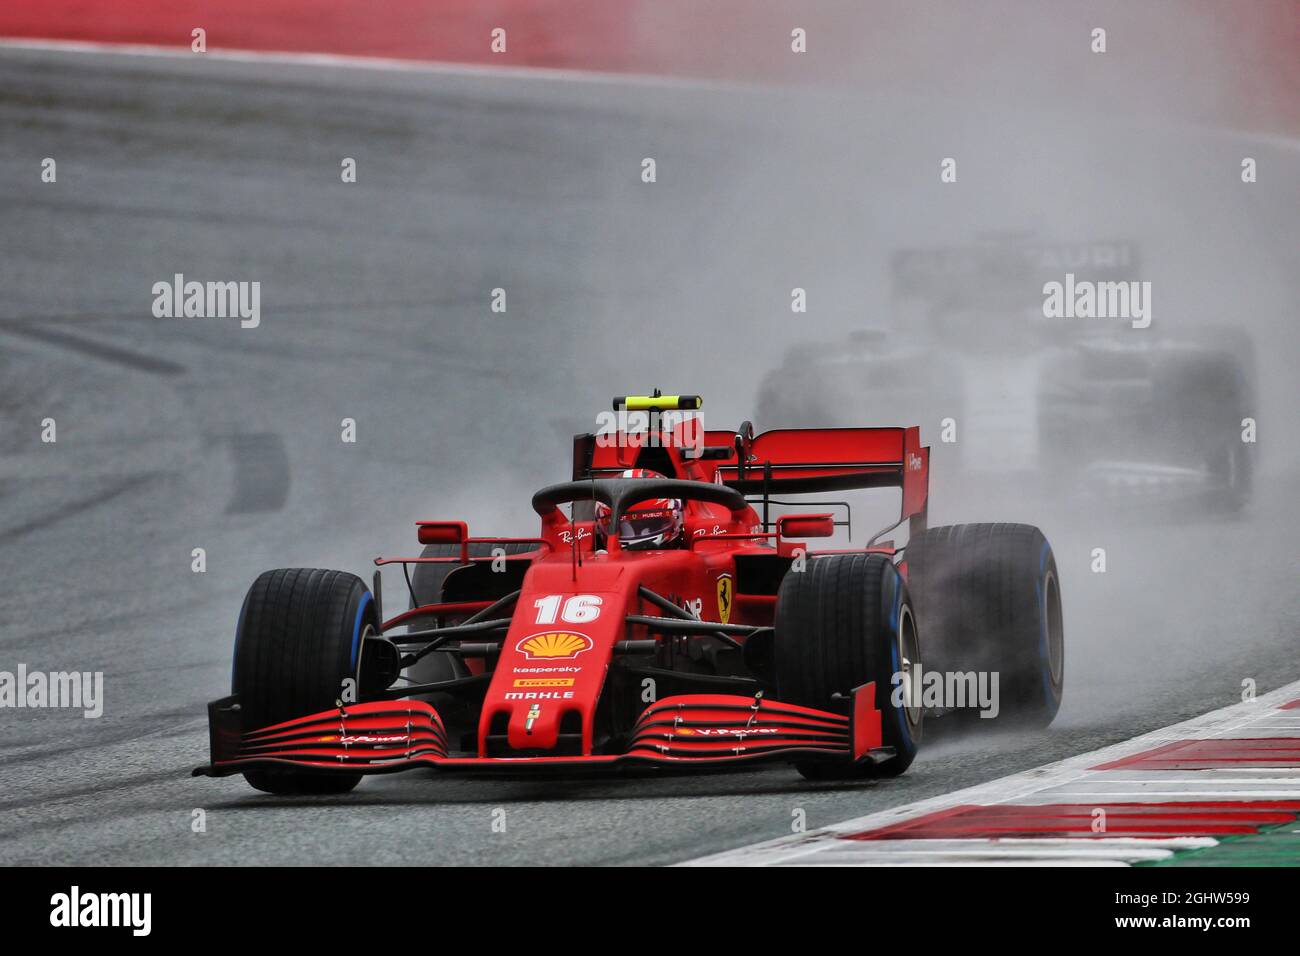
x=805, y=526
x=442, y=532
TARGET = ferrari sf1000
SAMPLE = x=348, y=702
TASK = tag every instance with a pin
x=663, y=616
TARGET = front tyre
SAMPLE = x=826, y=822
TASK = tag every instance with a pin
x=300, y=637
x=842, y=622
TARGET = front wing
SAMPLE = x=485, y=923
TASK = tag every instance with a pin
x=693, y=730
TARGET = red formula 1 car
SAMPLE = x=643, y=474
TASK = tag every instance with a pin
x=668, y=619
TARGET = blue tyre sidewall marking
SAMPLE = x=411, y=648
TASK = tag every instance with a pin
x=356, y=632
x=1044, y=655
x=895, y=615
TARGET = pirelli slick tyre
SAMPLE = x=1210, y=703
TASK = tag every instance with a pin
x=988, y=600
x=842, y=622
x=300, y=637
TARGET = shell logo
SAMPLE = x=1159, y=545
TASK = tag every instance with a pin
x=554, y=645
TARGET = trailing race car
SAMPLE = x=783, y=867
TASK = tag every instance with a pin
x=669, y=619
x=1086, y=406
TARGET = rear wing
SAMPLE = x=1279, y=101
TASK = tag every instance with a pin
x=794, y=461
x=811, y=460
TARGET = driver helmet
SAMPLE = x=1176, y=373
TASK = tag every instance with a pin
x=647, y=525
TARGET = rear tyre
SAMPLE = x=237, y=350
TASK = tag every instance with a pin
x=300, y=637
x=989, y=600
x=842, y=622
x=1202, y=399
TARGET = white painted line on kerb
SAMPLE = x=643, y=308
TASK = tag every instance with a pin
x=1065, y=778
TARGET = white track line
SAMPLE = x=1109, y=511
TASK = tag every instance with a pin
x=1065, y=781
x=485, y=71
x=390, y=64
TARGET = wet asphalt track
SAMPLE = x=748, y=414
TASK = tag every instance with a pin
x=181, y=434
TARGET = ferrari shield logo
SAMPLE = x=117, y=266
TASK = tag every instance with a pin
x=724, y=598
